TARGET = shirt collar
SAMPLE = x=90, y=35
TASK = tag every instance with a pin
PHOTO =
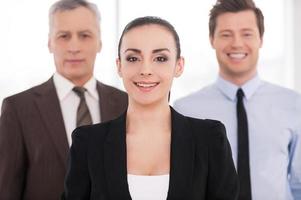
x=229, y=89
x=91, y=86
x=64, y=86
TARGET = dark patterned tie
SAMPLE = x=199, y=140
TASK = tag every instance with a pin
x=243, y=166
x=83, y=116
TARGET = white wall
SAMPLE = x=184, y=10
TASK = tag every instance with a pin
x=297, y=44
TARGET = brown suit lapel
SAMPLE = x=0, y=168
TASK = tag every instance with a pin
x=111, y=103
x=49, y=107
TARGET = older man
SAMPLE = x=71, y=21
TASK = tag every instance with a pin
x=36, y=125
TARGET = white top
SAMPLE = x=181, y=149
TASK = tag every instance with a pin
x=148, y=187
x=69, y=101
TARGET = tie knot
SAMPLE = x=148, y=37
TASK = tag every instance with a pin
x=240, y=94
x=80, y=91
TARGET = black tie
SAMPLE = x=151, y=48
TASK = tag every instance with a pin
x=243, y=167
x=83, y=116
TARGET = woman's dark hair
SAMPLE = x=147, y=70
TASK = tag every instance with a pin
x=224, y=6
x=151, y=20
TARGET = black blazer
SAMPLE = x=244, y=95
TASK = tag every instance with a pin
x=201, y=165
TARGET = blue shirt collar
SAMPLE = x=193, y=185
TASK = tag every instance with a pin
x=229, y=89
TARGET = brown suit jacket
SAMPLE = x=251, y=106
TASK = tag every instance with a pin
x=33, y=141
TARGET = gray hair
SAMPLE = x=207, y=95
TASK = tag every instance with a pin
x=65, y=5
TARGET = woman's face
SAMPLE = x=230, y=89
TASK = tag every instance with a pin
x=148, y=64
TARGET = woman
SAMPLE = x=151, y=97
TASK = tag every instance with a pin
x=151, y=151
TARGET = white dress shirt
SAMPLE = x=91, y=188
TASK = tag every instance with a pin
x=274, y=121
x=69, y=101
x=148, y=187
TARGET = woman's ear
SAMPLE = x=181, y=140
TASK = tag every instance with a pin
x=179, y=66
x=118, y=65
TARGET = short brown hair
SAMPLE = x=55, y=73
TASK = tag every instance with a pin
x=224, y=6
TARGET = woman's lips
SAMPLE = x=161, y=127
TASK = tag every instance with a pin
x=146, y=86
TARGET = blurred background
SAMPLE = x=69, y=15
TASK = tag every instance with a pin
x=26, y=61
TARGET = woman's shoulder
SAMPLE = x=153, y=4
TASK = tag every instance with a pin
x=207, y=128
x=97, y=131
x=202, y=129
x=207, y=124
x=91, y=132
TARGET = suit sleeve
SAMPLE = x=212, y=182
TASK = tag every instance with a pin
x=12, y=153
x=222, y=176
x=77, y=182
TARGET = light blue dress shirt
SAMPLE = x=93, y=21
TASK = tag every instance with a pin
x=274, y=121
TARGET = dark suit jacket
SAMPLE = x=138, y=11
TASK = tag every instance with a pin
x=201, y=163
x=33, y=141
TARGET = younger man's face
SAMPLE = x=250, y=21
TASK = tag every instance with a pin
x=237, y=41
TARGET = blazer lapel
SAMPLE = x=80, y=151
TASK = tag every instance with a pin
x=115, y=160
x=49, y=107
x=182, y=158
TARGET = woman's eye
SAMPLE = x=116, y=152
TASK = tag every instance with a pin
x=132, y=59
x=161, y=59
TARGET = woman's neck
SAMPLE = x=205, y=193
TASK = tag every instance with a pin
x=148, y=119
